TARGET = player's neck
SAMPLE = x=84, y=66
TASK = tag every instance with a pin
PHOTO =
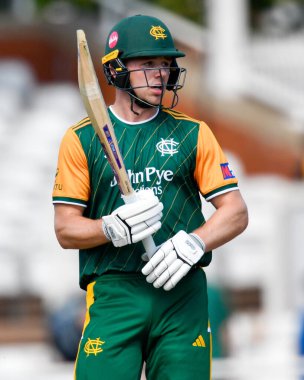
x=122, y=108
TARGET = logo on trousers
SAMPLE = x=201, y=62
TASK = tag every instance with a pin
x=93, y=346
x=199, y=342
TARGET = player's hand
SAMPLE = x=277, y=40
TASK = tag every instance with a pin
x=134, y=221
x=174, y=260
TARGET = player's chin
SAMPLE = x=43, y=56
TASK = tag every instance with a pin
x=155, y=100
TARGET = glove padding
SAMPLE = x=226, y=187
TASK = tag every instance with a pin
x=174, y=260
x=134, y=221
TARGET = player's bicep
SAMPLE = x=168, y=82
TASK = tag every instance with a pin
x=66, y=211
x=231, y=198
x=65, y=219
x=233, y=210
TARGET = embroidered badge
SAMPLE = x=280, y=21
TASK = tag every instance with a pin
x=158, y=32
x=93, y=346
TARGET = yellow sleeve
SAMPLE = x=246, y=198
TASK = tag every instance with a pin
x=72, y=184
x=212, y=172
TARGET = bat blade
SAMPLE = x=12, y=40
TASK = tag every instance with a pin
x=97, y=111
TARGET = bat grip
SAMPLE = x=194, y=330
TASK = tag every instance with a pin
x=148, y=242
x=149, y=246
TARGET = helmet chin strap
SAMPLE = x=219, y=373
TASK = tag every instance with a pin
x=132, y=100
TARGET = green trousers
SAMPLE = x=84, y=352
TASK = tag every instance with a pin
x=129, y=322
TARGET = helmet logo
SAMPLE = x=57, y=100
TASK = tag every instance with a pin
x=158, y=32
x=113, y=39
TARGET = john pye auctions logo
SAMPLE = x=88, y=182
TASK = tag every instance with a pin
x=150, y=176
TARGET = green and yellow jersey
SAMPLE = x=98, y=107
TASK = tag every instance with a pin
x=176, y=156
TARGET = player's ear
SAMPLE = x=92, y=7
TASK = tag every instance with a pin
x=112, y=71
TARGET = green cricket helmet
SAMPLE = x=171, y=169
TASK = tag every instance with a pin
x=141, y=36
x=135, y=37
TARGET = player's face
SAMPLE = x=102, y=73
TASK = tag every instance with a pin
x=149, y=77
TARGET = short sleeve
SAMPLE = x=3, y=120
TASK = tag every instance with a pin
x=72, y=183
x=212, y=172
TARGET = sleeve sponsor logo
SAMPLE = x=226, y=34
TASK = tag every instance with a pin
x=226, y=171
x=58, y=187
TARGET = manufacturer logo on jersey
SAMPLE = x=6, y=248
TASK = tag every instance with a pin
x=227, y=172
x=93, y=346
x=158, y=32
x=166, y=147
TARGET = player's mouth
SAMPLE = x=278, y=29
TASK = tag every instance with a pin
x=157, y=89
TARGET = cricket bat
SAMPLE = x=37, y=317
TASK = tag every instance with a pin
x=97, y=111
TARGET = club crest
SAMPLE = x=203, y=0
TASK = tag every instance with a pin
x=93, y=346
x=167, y=147
x=158, y=32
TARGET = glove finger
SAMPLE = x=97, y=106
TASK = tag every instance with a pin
x=156, y=218
x=165, y=264
x=162, y=266
x=147, y=232
x=131, y=209
x=157, y=257
x=144, y=215
x=149, y=267
x=144, y=225
x=167, y=274
x=182, y=271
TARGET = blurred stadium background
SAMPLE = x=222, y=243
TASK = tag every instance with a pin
x=245, y=61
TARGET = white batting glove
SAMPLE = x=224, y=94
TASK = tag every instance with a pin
x=134, y=221
x=174, y=260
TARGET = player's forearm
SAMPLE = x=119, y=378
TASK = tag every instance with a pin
x=228, y=221
x=78, y=232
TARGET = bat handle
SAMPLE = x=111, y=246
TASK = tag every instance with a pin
x=148, y=242
x=149, y=246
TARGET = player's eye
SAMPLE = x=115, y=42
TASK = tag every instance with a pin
x=165, y=64
x=148, y=65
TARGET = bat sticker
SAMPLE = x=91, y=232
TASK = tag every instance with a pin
x=110, y=141
x=112, y=166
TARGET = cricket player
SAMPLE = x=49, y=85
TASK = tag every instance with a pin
x=138, y=310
